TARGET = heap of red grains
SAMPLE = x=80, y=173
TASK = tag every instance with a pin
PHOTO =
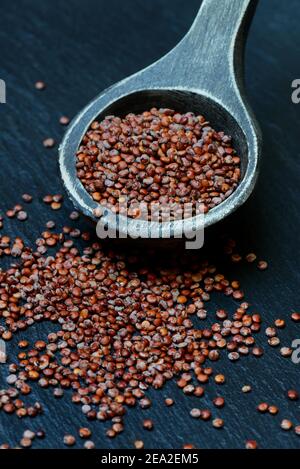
x=159, y=156
x=123, y=328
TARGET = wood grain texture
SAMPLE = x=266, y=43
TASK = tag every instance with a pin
x=79, y=48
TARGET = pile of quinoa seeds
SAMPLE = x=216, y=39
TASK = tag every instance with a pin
x=118, y=328
x=157, y=157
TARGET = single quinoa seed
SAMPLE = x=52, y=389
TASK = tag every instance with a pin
x=219, y=379
x=273, y=410
x=280, y=323
x=218, y=423
x=251, y=257
x=257, y=351
x=195, y=413
x=40, y=85
x=119, y=328
x=262, y=265
x=139, y=444
x=49, y=142
x=219, y=401
x=27, y=198
x=98, y=212
x=293, y=395
x=11, y=213
x=271, y=332
x=89, y=444
x=110, y=433
x=22, y=215
x=28, y=434
x=74, y=215
x=263, y=407
x=169, y=402
x=84, y=432
x=295, y=317
x=286, y=425
x=69, y=440
x=55, y=205
x=286, y=352
x=148, y=424
x=246, y=388
x=26, y=442
x=297, y=430
x=64, y=120
x=205, y=415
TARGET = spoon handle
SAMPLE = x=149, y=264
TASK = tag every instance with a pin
x=212, y=50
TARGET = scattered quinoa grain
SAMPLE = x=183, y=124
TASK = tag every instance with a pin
x=251, y=257
x=84, y=432
x=171, y=157
x=274, y=341
x=50, y=225
x=55, y=205
x=148, y=424
x=246, y=388
x=27, y=198
x=271, y=332
x=218, y=423
x=263, y=407
x=205, y=414
x=145, y=403
x=295, y=317
x=219, y=379
x=74, y=215
x=28, y=434
x=280, y=323
x=257, y=351
x=273, y=410
x=297, y=430
x=286, y=352
x=293, y=395
x=40, y=434
x=40, y=85
x=110, y=433
x=10, y=213
x=49, y=143
x=64, y=120
x=251, y=444
x=262, y=265
x=195, y=413
x=169, y=402
x=26, y=442
x=89, y=444
x=69, y=440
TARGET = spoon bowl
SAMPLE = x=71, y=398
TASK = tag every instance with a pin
x=202, y=74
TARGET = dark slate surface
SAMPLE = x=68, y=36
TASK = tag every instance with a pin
x=79, y=48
